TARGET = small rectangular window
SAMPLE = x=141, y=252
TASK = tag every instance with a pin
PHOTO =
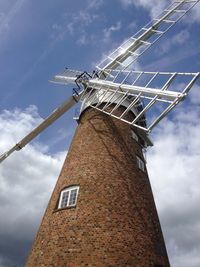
x=68, y=197
x=140, y=164
x=134, y=135
x=65, y=197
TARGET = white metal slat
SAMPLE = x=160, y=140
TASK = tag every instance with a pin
x=166, y=20
x=152, y=30
x=42, y=126
x=153, y=101
x=117, y=95
x=177, y=10
x=132, y=104
x=119, y=59
x=186, y=1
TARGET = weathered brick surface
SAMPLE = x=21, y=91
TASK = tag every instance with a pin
x=115, y=222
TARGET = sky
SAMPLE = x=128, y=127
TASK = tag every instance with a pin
x=38, y=39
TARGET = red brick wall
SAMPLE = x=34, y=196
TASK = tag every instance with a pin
x=115, y=222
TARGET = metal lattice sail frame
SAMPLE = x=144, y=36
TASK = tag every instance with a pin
x=114, y=84
x=129, y=51
x=135, y=91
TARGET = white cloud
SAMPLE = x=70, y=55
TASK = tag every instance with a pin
x=195, y=95
x=76, y=22
x=166, y=61
x=15, y=124
x=155, y=7
x=83, y=40
x=195, y=14
x=178, y=39
x=68, y=24
x=27, y=178
x=95, y=4
x=109, y=31
x=181, y=37
x=26, y=181
x=132, y=26
x=174, y=171
x=5, y=19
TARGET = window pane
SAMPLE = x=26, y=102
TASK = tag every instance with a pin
x=64, y=201
x=134, y=135
x=140, y=164
x=72, y=199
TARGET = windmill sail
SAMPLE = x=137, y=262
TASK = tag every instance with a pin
x=46, y=123
x=149, y=95
x=127, y=53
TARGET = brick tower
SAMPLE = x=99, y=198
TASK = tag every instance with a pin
x=102, y=212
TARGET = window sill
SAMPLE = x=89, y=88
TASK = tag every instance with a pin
x=66, y=208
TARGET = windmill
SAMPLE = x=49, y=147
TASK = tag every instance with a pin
x=109, y=213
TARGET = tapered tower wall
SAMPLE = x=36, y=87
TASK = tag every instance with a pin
x=115, y=222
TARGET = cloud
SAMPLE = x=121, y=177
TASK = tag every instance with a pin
x=76, y=22
x=174, y=57
x=73, y=24
x=155, y=8
x=194, y=16
x=195, y=95
x=132, y=26
x=26, y=181
x=5, y=19
x=173, y=165
x=109, y=31
x=178, y=39
x=28, y=176
x=95, y=4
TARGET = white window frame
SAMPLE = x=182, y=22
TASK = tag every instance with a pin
x=69, y=190
x=140, y=163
